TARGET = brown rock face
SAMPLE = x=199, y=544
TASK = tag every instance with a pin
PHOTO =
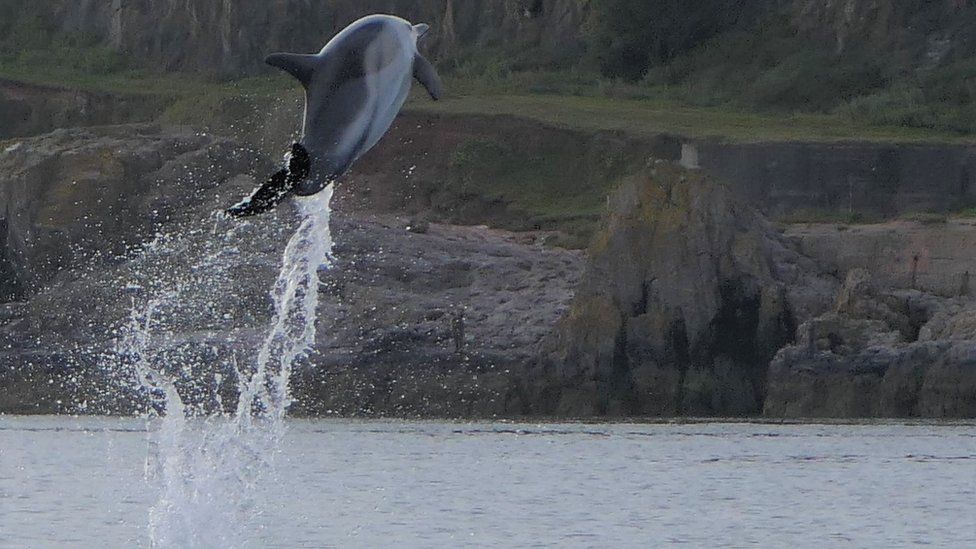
x=29, y=109
x=879, y=353
x=681, y=307
x=933, y=257
x=387, y=344
x=73, y=194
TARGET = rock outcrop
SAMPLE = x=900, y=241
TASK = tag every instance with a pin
x=869, y=180
x=73, y=194
x=690, y=303
x=188, y=291
x=31, y=109
x=879, y=353
x=938, y=256
x=687, y=295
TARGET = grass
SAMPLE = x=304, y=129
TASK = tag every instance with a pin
x=545, y=186
x=647, y=117
x=925, y=218
x=829, y=216
x=569, y=99
x=968, y=213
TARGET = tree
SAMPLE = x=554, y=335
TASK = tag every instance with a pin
x=628, y=36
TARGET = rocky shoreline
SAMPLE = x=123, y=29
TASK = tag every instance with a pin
x=687, y=302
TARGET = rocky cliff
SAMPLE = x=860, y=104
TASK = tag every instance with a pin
x=879, y=353
x=688, y=302
x=76, y=194
x=109, y=225
x=687, y=295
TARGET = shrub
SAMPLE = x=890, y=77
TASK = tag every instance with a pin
x=628, y=36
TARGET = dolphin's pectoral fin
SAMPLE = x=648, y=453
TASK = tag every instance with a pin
x=269, y=195
x=298, y=65
x=421, y=29
x=426, y=74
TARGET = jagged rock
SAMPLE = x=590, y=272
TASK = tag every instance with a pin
x=385, y=344
x=683, y=303
x=73, y=194
x=879, y=354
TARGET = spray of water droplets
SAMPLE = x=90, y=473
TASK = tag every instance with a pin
x=207, y=466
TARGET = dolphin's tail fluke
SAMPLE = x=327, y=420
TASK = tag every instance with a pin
x=277, y=187
x=264, y=198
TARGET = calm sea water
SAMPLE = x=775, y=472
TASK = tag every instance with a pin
x=68, y=482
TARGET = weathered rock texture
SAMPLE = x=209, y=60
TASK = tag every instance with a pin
x=386, y=320
x=937, y=257
x=866, y=179
x=75, y=193
x=686, y=297
x=30, y=109
x=879, y=354
x=691, y=303
x=391, y=310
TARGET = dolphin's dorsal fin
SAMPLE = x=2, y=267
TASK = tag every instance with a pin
x=298, y=65
x=426, y=74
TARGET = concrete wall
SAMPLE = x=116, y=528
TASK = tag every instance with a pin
x=871, y=179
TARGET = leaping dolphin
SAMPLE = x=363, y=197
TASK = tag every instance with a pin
x=354, y=88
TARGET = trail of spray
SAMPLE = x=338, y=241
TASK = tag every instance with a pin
x=207, y=469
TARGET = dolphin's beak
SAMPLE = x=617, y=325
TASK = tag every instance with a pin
x=421, y=29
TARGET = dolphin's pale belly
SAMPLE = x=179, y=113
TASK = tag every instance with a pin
x=343, y=125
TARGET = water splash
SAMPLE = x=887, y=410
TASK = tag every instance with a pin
x=207, y=467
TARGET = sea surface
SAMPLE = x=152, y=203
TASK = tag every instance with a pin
x=84, y=482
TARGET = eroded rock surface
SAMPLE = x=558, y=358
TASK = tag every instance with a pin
x=195, y=287
x=73, y=194
x=687, y=295
x=879, y=353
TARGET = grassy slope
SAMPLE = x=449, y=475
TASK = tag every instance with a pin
x=655, y=116
x=192, y=97
x=527, y=184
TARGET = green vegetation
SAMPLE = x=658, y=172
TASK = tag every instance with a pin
x=926, y=218
x=570, y=98
x=826, y=215
x=656, y=116
x=552, y=187
x=967, y=213
x=627, y=37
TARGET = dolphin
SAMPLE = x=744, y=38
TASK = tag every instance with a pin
x=354, y=88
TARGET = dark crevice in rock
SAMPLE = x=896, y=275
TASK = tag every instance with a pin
x=681, y=307
x=11, y=287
